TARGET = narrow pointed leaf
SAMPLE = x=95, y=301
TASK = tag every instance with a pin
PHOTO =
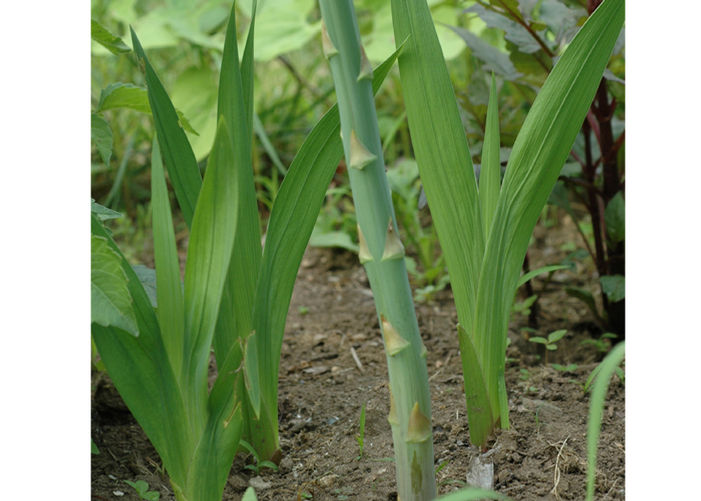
x=490, y=175
x=479, y=412
x=177, y=153
x=267, y=145
x=540, y=150
x=539, y=271
x=169, y=293
x=215, y=451
x=247, y=68
x=235, y=109
x=209, y=253
x=439, y=142
x=141, y=372
x=292, y=219
x=596, y=407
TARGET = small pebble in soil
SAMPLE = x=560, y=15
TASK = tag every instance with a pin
x=259, y=484
x=286, y=464
x=328, y=480
x=238, y=482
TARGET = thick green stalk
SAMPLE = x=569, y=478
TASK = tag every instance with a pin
x=382, y=253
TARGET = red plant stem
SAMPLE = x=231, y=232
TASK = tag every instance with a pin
x=592, y=202
x=612, y=183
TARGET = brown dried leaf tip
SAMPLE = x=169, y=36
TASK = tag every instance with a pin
x=326, y=44
x=359, y=154
x=393, y=246
x=363, y=252
x=419, y=426
x=365, y=66
x=392, y=417
x=394, y=343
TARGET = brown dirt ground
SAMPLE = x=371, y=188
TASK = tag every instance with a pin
x=322, y=389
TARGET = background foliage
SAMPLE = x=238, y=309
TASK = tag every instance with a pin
x=518, y=40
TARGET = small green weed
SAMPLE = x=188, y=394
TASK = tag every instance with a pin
x=564, y=368
x=524, y=307
x=257, y=463
x=603, y=344
x=550, y=342
x=141, y=488
x=361, y=433
x=552, y=339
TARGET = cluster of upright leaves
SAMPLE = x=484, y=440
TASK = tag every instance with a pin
x=235, y=295
x=521, y=42
x=161, y=369
x=485, y=233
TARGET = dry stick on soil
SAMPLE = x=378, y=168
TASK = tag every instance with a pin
x=357, y=360
x=556, y=475
x=382, y=253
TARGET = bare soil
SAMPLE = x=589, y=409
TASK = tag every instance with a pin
x=322, y=388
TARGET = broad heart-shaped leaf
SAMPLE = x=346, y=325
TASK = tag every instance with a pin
x=101, y=135
x=125, y=95
x=109, y=41
x=111, y=303
x=177, y=153
x=141, y=372
x=292, y=219
x=540, y=150
x=282, y=26
x=194, y=93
